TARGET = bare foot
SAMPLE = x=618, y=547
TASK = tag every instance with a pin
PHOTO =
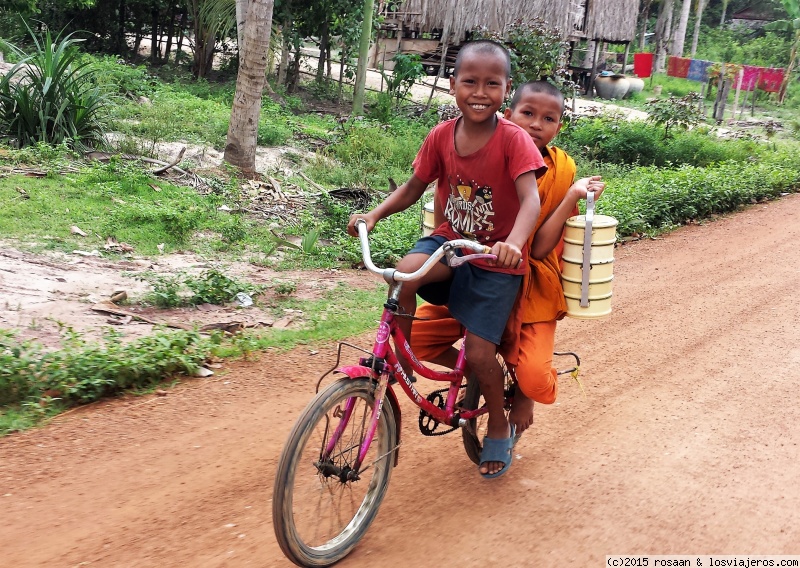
x=521, y=413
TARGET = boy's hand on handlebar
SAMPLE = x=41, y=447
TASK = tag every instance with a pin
x=366, y=217
x=508, y=255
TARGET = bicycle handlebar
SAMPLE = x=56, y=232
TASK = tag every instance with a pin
x=393, y=275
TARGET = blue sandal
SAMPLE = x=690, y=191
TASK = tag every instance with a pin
x=498, y=450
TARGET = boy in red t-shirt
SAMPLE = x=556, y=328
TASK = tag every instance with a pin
x=485, y=167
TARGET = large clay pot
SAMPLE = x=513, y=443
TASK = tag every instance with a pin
x=611, y=86
x=635, y=85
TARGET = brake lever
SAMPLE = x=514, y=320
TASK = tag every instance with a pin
x=459, y=260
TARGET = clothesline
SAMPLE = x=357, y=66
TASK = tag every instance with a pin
x=767, y=79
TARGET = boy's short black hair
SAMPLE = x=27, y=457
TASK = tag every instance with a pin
x=485, y=46
x=543, y=87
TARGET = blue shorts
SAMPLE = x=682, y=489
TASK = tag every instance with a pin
x=479, y=299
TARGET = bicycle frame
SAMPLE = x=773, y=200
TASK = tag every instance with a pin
x=385, y=364
x=391, y=368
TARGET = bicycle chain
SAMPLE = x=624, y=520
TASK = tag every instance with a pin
x=427, y=425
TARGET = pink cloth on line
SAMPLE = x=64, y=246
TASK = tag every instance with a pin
x=771, y=79
x=750, y=78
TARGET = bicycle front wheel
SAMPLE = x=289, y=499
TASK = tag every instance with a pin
x=319, y=515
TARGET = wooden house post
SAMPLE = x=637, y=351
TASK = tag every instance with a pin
x=590, y=89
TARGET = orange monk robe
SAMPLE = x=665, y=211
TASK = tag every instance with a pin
x=541, y=296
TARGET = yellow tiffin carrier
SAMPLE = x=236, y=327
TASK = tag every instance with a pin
x=589, y=263
x=427, y=219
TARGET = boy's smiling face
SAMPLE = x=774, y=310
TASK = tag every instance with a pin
x=481, y=85
x=539, y=114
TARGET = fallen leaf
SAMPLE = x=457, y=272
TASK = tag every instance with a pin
x=155, y=187
x=75, y=230
x=117, y=200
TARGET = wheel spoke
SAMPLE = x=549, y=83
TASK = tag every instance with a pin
x=319, y=514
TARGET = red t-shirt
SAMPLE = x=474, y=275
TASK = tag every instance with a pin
x=477, y=192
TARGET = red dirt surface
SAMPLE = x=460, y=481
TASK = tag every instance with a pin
x=686, y=441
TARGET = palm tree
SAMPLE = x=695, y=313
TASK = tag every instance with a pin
x=791, y=25
x=698, y=17
x=363, y=55
x=679, y=34
x=240, y=147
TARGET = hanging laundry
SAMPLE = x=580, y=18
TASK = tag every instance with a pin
x=698, y=69
x=678, y=66
x=750, y=77
x=642, y=64
x=771, y=79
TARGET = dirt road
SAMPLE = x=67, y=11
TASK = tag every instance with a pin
x=686, y=443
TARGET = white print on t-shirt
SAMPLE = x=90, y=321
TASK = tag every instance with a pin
x=469, y=209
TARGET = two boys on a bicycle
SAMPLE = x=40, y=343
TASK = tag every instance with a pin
x=486, y=169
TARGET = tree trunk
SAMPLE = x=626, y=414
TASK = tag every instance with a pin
x=155, y=52
x=181, y=28
x=170, y=31
x=323, y=50
x=724, y=12
x=679, y=36
x=241, y=16
x=285, y=31
x=363, y=55
x=122, y=45
x=698, y=18
x=788, y=75
x=240, y=147
x=644, y=16
x=663, y=29
x=330, y=60
x=293, y=80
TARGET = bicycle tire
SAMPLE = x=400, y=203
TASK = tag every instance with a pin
x=297, y=484
x=472, y=436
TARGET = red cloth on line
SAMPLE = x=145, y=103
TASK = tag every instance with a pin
x=750, y=77
x=642, y=64
x=771, y=79
x=678, y=66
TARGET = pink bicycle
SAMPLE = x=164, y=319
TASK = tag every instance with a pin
x=335, y=467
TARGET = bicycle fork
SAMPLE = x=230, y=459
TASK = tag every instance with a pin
x=351, y=472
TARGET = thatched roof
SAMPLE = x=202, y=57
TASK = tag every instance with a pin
x=761, y=12
x=613, y=20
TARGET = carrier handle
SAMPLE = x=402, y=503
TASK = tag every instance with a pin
x=587, y=249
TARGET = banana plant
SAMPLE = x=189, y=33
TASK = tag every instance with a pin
x=792, y=25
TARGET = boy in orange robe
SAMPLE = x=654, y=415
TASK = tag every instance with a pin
x=529, y=338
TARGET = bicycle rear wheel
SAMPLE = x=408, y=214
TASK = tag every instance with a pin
x=318, y=518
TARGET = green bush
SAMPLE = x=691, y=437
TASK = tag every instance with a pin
x=115, y=75
x=369, y=153
x=640, y=143
x=651, y=199
x=82, y=372
x=50, y=96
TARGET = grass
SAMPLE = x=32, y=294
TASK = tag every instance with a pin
x=121, y=200
x=118, y=200
x=36, y=384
